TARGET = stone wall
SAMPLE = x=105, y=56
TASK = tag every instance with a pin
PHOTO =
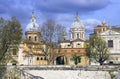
x=70, y=74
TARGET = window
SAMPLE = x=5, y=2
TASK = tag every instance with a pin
x=78, y=44
x=68, y=45
x=77, y=36
x=14, y=51
x=35, y=38
x=37, y=58
x=41, y=58
x=110, y=43
x=29, y=38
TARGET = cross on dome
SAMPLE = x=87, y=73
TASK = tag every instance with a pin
x=32, y=26
x=33, y=18
x=77, y=17
x=77, y=23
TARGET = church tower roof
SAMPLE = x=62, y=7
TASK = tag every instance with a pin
x=32, y=26
x=77, y=23
x=104, y=23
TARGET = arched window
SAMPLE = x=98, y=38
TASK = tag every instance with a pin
x=37, y=58
x=41, y=58
x=29, y=38
x=35, y=38
x=77, y=36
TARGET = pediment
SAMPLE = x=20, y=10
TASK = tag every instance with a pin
x=109, y=32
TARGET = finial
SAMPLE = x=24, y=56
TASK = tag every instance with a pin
x=32, y=14
x=33, y=17
x=104, y=22
x=77, y=17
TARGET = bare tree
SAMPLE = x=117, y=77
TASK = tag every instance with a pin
x=51, y=34
x=98, y=50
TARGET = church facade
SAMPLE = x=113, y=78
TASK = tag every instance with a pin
x=74, y=45
x=31, y=48
x=112, y=37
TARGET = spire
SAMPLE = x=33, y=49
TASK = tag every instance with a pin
x=104, y=22
x=77, y=23
x=77, y=17
x=33, y=18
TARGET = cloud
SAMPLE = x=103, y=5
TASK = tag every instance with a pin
x=60, y=10
x=65, y=6
x=49, y=8
x=91, y=23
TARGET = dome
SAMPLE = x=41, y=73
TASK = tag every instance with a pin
x=32, y=26
x=77, y=23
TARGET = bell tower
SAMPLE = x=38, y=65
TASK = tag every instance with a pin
x=32, y=30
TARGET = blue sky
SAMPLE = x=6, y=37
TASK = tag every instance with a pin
x=91, y=12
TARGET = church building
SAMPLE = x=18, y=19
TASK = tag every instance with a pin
x=75, y=45
x=112, y=37
x=31, y=49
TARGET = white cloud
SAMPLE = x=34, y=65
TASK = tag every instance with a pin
x=91, y=23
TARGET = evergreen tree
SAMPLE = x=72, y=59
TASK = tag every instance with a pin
x=76, y=58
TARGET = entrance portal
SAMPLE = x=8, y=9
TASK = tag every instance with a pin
x=60, y=60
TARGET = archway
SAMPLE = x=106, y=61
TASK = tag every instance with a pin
x=60, y=60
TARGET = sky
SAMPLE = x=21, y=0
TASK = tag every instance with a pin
x=91, y=12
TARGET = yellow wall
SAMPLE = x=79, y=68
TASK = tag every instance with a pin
x=40, y=61
x=83, y=61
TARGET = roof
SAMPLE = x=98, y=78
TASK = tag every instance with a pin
x=117, y=29
x=76, y=40
x=66, y=41
x=77, y=23
x=32, y=26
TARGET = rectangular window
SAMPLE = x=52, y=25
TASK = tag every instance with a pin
x=14, y=52
x=110, y=43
